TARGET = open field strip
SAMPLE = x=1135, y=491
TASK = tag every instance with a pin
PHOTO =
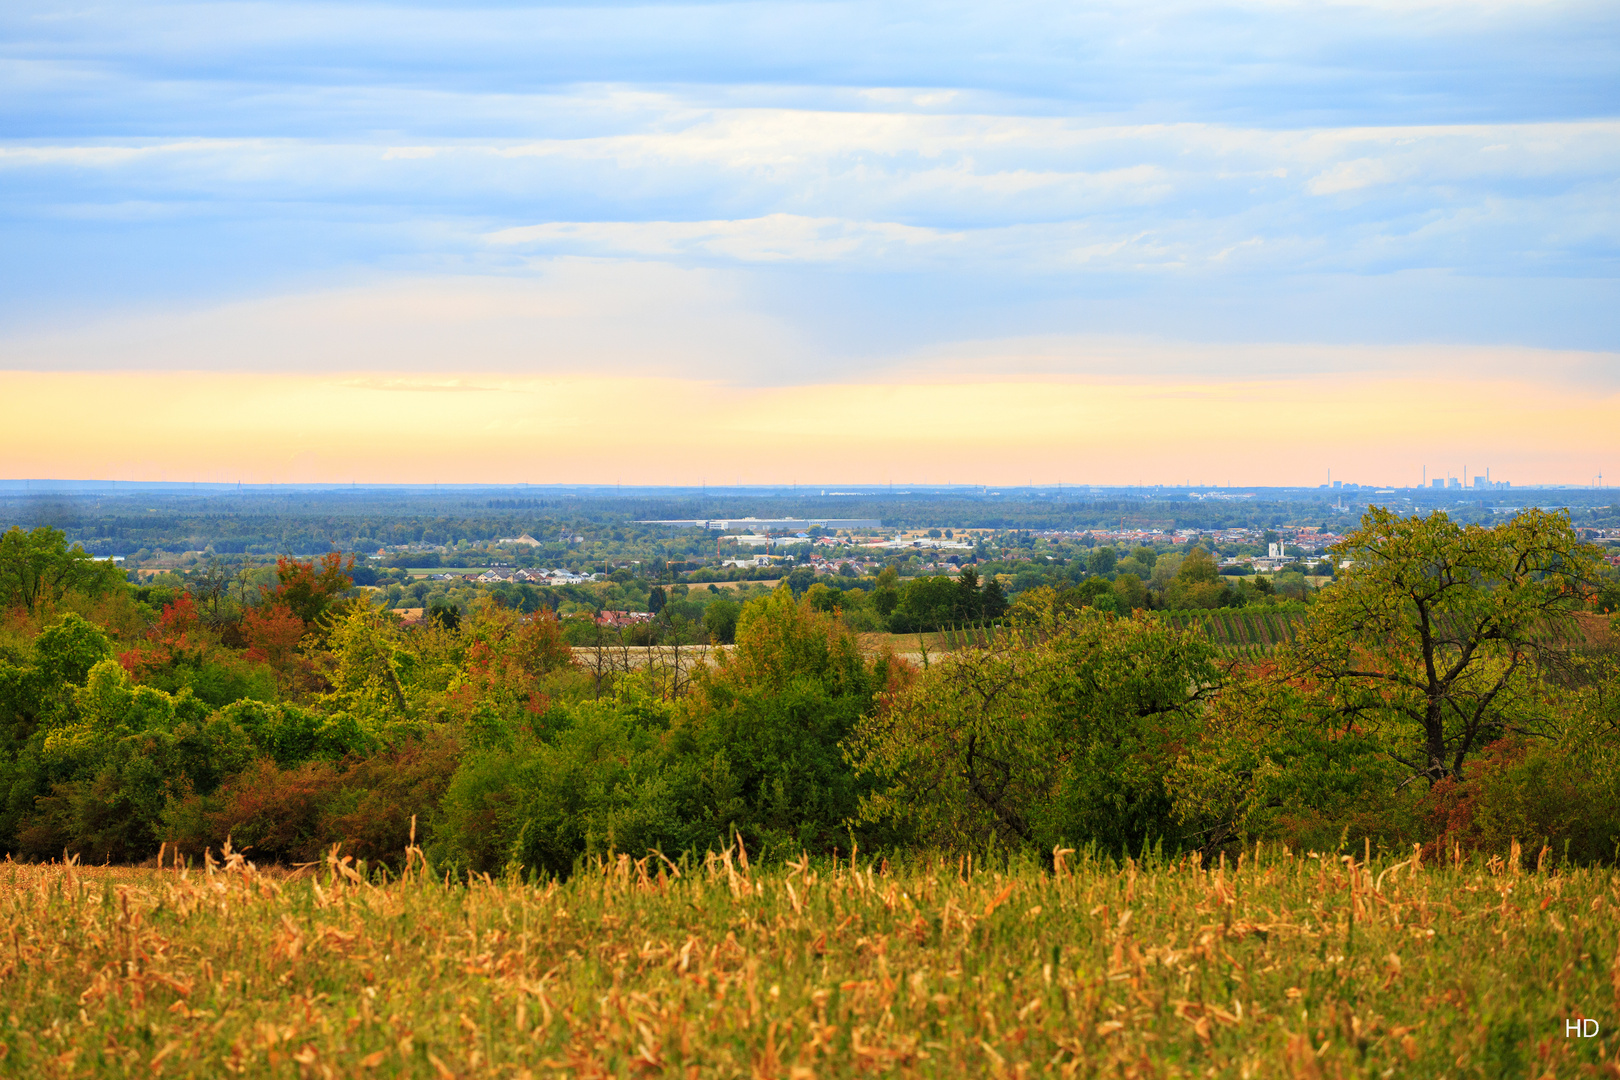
x=1278, y=965
x=414, y=572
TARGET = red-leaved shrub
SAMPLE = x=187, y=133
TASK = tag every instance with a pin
x=295, y=815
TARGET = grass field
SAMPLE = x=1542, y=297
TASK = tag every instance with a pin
x=1275, y=966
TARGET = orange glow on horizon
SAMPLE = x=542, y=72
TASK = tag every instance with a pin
x=265, y=428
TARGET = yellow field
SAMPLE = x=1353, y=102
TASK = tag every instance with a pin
x=1278, y=966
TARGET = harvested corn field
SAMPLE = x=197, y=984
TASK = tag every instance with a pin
x=1275, y=965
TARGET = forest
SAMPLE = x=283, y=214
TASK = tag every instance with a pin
x=1455, y=686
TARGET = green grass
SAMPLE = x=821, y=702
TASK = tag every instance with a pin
x=1280, y=966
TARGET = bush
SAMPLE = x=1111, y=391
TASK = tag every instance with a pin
x=756, y=748
x=270, y=811
x=599, y=787
x=218, y=681
x=1564, y=793
x=290, y=735
x=97, y=820
x=293, y=815
x=1264, y=766
x=111, y=806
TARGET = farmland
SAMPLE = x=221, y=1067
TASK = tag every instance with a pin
x=1270, y=964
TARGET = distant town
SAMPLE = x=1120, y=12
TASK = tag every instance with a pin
x=627, y=555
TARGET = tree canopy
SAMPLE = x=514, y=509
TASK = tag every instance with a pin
x=1443, y=632
x=39, y=566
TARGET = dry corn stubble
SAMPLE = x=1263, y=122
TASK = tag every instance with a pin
x=1279, y=965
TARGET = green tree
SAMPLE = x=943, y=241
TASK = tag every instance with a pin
x=39, y=567
x=720, y=620
x=366, y=662
x=1442, y=636
x=969, y=601
x=1197, y=583
x=66, y=650
x=926, y=603
x=766, y=725
x=886, y=595
x=993, y=601
x=1101, y=561
x=824, y=598
x=1130, y=592
x=443, y=613
x=1063, y=741
x=800, y=579
x=1263, y=765
x=1088, y=593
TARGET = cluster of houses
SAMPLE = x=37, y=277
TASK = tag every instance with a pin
x=617, y=619
x=748, y=562
x=921, y=542
x=560, y=576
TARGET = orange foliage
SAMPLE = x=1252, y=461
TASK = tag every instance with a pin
x=1451, y=805
x=295, y=814
x=179, y=618
x=508, y=658
x=272, y=632
x=173, y=636
x=306, y=590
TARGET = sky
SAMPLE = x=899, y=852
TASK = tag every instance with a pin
x=1255, y=243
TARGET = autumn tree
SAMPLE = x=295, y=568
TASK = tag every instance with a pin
x=508, y=655
x=287, y=610
x=272, y=633
x=308, y=588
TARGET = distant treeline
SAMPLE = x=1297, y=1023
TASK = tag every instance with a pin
x=311, y=523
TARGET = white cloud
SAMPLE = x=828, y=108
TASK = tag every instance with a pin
x=924, y=169
x=1350, y=175
x=773, y=238
x=411, y=153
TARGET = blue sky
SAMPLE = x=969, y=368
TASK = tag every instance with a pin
x=775, y=195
